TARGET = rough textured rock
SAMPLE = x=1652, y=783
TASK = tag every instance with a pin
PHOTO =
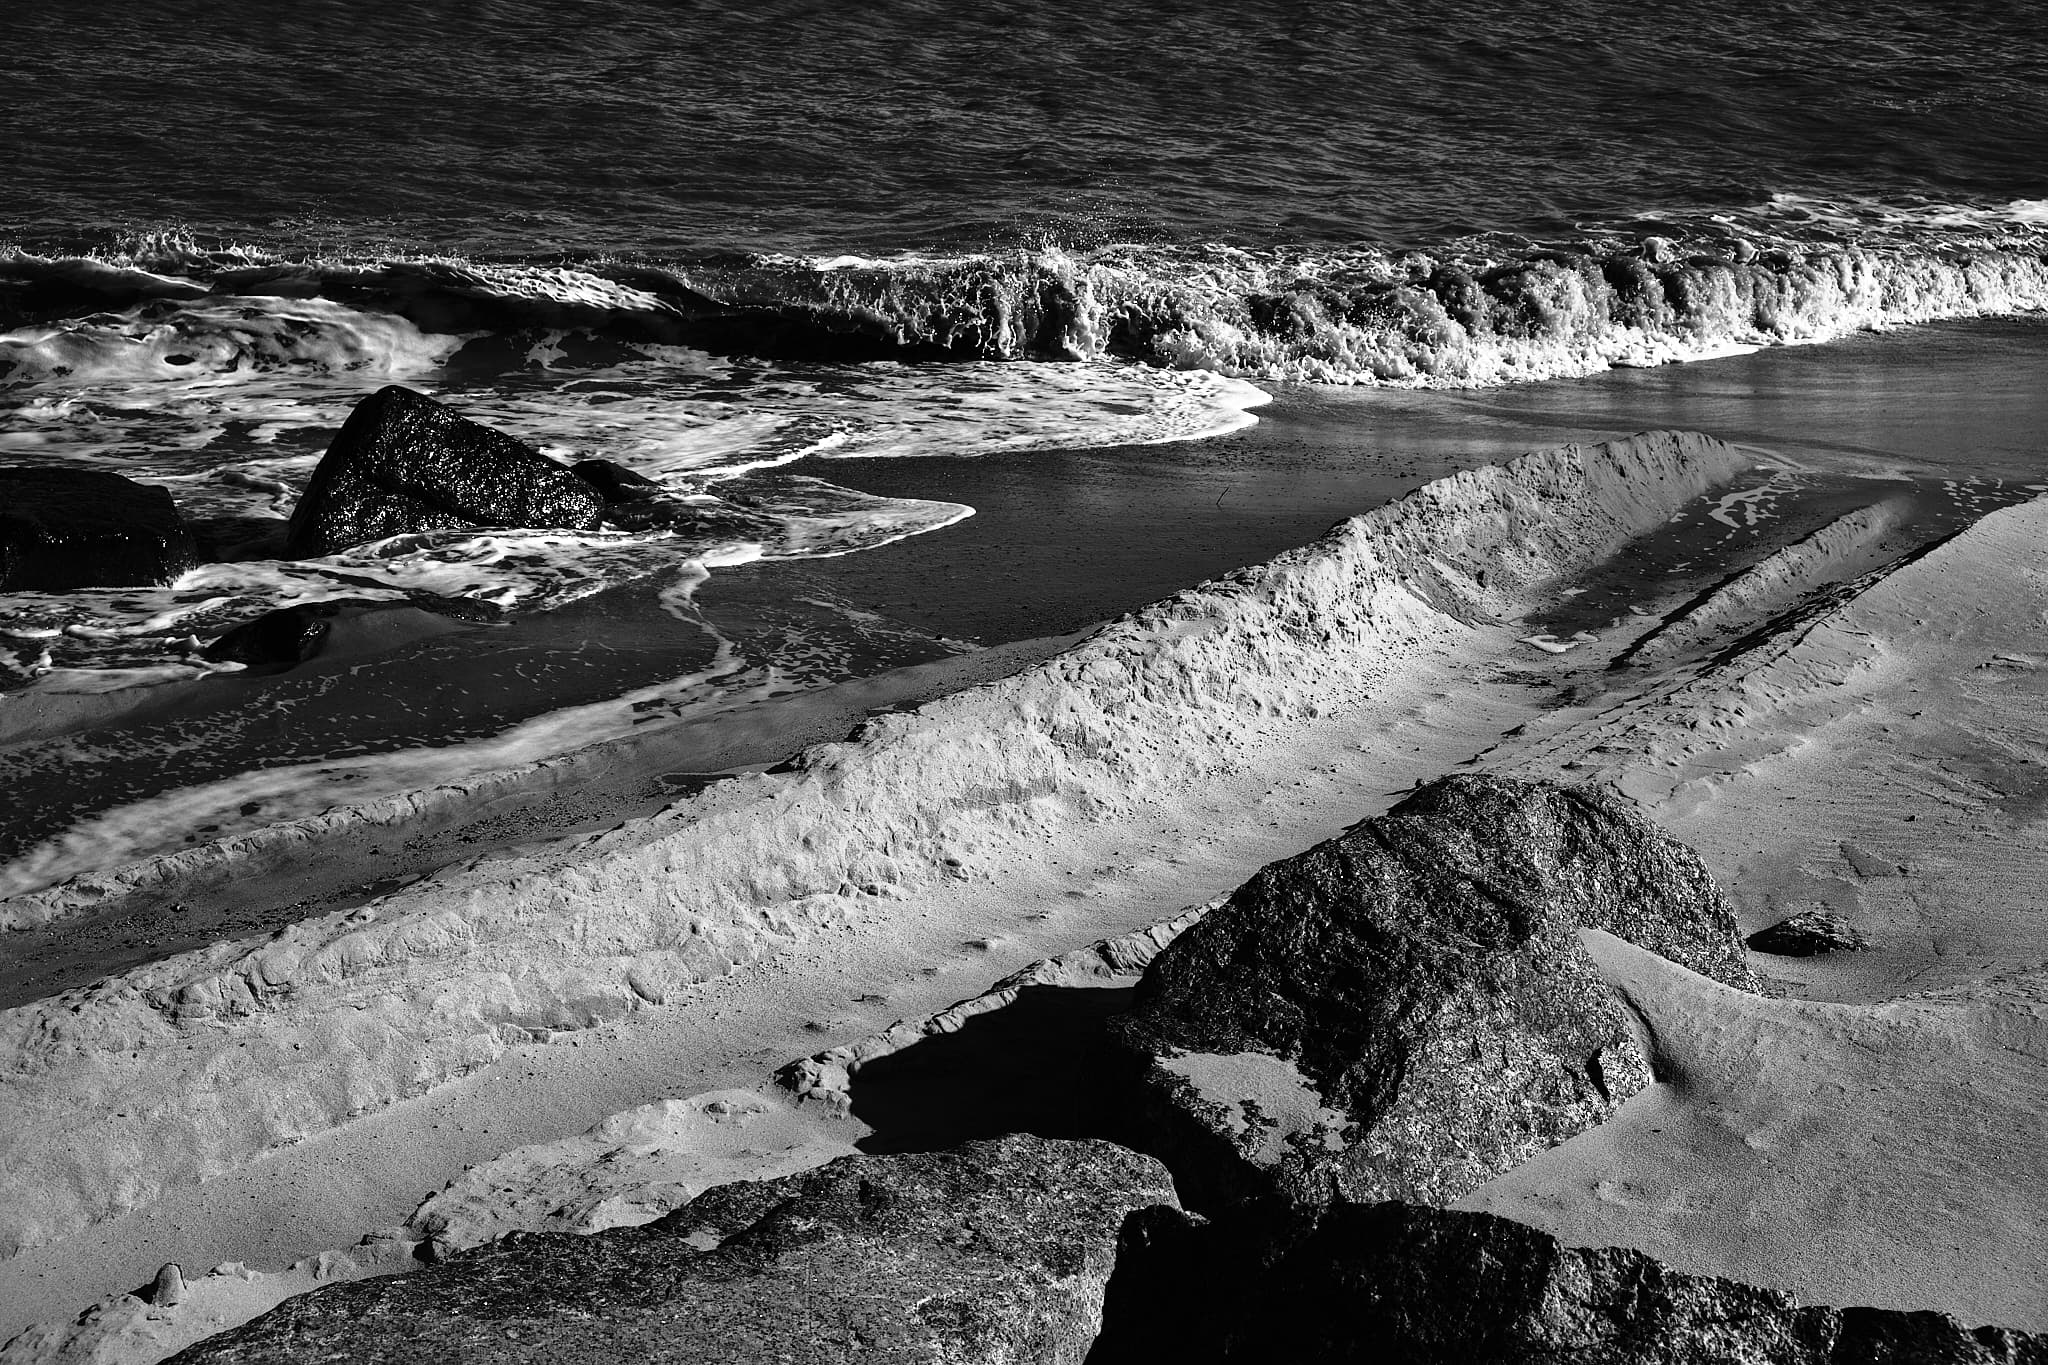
x=1808, y=934
x=1407, y=1010
x=80, y=528
x=403, y=462
x=996, y=1251
x=1403, y=1283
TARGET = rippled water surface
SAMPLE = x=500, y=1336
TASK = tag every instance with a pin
x=528, y=126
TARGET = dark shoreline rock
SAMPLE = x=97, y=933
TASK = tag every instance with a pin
x=994, y=1252
x=1809, y=933
x=614, y=482
x=289, y=636
x=1407, y=1010
x=1405, y=1283
x=64, y=529
x=403, y=463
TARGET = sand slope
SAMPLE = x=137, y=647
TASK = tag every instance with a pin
x=1878, y=749
x=194, y=1064
x=1851, y=1153
x=1883, y=1155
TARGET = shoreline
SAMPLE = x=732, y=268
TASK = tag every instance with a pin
x=1494, y=715
x=1270, y=798
x=1293, y=676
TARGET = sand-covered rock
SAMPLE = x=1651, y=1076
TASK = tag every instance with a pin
x=1403, y=1283
x=404, y=463
x=62, y=529
x=1405, y=1011
x=630, y=1169
x=995, y=1252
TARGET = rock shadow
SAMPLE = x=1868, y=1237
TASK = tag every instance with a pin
x=1042, y=1064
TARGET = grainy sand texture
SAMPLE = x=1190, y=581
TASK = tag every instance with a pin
x=1841, y=713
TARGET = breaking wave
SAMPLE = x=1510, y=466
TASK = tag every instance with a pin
x=1476, y=312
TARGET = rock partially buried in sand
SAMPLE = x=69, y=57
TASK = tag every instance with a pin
x=1406, y=1010
x=405, y=463
x=167, y=1290
x=1399, y=1282
x=63, y=529
x=994, y=1252
x=1809, y=933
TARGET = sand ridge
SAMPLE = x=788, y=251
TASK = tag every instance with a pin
x=1318, y=750
x=181, y=1058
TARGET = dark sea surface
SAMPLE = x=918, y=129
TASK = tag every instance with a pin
x=837, y=276
x=667, y=131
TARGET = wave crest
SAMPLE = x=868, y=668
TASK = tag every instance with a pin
x=1470, y=314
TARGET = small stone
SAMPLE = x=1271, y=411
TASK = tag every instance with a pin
x=1809, y=933
x=614, y=482
x=168, y=1288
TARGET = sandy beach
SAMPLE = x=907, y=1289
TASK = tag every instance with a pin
x=1780, y=621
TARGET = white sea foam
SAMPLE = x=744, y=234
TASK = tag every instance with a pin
x=235, y=434
x=209, y=339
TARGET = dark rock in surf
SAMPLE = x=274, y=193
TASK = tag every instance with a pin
x=996, y=1251
x=404, y=463
x=62, y=529
x=614, y=482
x=276, y=639
x=291, y=635
x=1809, y=933
x=1407, y=1010
x=1399, y=1282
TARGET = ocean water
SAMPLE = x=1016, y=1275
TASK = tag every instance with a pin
x=754, y=251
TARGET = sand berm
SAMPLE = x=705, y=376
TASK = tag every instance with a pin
x=191, y=1066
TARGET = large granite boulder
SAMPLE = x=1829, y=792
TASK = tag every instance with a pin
x=1411, y=1285
x=993, y=1252
x=1407, y=1010
x=62, y=529
x=405, y=463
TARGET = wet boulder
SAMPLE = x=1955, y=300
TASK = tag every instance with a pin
x=289, y=636
x=404, y=463
x=1401, y=1282
x=992, y=1252
x=1407, y=1010
x=62, y=529
x=614, y=482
